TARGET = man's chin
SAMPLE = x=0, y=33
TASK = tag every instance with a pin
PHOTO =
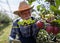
x=27, y=18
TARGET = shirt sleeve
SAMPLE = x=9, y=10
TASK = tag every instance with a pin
x=14, y=30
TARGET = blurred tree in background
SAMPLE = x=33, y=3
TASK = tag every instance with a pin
x=4, y=18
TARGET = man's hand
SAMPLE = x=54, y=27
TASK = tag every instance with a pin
x=40, y=24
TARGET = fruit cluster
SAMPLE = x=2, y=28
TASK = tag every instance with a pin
x=52, y=29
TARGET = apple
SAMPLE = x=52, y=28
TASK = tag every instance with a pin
x=49, y=29
x=55, y=30
x=40, y=24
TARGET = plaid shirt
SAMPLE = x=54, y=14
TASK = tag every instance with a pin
x=23, y=30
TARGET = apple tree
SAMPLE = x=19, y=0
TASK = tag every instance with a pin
x=50, y=16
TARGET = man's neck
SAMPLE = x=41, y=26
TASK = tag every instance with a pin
x=26, y=19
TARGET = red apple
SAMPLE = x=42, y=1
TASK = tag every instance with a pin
x=55, y=30
x=49, y=29
x=40, y=24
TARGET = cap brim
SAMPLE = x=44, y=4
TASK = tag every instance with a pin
x=18, y=11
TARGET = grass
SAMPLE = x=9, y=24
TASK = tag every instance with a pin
x=4, y=36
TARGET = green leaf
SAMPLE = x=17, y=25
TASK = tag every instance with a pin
x=58, y=12
x=43, y=10
x=38, y=7
x=53, y=8
x=56, y=23
x=30, y=1
x=57, y=3
x=58, y=35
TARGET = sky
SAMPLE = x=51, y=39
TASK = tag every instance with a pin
x=12, y=6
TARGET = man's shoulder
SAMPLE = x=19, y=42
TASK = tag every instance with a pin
x=16, y=20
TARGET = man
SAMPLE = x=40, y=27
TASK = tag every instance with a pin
x=26, y=34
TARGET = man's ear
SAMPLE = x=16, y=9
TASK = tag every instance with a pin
x=19, y=14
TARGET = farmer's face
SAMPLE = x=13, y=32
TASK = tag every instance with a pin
x=25, y=14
